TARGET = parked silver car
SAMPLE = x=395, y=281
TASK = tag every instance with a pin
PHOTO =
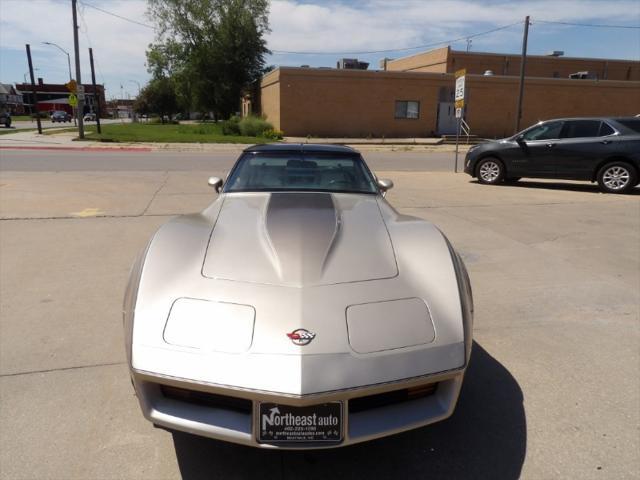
x=298, y=310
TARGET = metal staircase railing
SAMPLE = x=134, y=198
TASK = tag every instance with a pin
x=464, y=126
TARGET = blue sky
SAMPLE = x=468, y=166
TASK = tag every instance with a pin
x=338, y=27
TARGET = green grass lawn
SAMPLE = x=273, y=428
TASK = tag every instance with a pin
x=16, y=118
x=142, y=132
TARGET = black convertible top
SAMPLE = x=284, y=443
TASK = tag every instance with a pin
x=301, y=147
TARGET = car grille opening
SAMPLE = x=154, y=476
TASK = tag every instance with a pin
x=207, y=399
x=370, y=402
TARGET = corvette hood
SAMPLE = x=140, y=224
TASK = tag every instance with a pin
x=299, y=239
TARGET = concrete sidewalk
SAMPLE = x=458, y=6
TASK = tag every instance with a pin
x=66, y=141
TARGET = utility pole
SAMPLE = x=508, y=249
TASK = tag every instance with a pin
x=76, y=50
x=523, y=62
x=96, y=96
x=33, y=90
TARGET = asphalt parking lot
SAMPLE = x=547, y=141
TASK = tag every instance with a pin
x=553, y=389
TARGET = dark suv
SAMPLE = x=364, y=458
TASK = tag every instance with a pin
x=606, y=150
x=5, y=119
x=60, y=116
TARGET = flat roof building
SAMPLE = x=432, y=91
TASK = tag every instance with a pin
x=413, y=96
x=554, y=65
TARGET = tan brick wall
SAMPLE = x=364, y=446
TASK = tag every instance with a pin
x=349, y=103
x=270, y=98
x=434, y=61
x=543, y=66
x=445, y=60
x=492, y=101
x=354, y=103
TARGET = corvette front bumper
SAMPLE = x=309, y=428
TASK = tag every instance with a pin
x=232, y=414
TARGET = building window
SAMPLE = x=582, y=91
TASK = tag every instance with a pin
x=407, y=109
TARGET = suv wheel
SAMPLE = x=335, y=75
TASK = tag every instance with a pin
x=490, y=171
x=617, y=177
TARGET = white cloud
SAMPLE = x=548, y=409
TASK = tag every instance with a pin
x=382, y=24
x=118, y=46
x=297, y=25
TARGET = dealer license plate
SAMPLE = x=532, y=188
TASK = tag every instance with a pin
x=312, y=424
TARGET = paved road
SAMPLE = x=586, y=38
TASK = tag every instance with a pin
x=66, y=160
x=552, y=391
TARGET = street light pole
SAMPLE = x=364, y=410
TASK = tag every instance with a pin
x=63, y=51
x=24, y=76
x=69, y=65
x=137, y=83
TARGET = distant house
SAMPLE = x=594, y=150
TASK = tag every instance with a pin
x=120, y=108
x=10, y=99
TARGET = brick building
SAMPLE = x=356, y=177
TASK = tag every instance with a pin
x=413, y=96
x=52, y=96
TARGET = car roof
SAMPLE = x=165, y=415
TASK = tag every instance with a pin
x=587, y=118
x=301, y=148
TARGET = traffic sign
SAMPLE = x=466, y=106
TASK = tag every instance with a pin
x=71, y=86
x=81, y=96
x=79, y=88
x=460, y=80
x=458, y=112
x=73, y=100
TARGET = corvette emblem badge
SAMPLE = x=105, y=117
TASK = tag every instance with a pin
x=301, y=336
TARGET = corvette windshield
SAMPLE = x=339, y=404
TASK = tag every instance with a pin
x=259, y=172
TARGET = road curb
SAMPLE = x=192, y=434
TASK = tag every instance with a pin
x=78, y=149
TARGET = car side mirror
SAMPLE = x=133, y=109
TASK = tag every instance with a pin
x=520, y=139
x=384, y=184
x=216, y=182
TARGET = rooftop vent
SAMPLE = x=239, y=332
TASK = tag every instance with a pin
x=352, y=64
x=583, y=75
x=555, y=53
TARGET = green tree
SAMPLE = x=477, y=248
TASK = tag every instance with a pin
x=158, y=96
x=211, y=49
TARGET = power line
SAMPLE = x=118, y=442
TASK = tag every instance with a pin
x=117, y=16
x=585, y=24
x=86, y=34
x=466, y=37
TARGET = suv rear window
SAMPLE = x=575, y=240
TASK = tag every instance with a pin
x=581, y=128
x=633, y=124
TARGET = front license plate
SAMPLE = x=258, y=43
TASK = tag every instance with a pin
x=313, y=424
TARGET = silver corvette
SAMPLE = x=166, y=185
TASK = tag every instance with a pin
x=298, y=310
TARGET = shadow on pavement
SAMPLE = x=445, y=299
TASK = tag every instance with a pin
x=570, y=187
x=485, y=438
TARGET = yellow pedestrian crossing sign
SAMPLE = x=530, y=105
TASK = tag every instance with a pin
x=71, y=86
x=73, y=100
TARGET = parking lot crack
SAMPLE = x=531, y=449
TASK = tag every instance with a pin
x=49, y=370
x=155, y=194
